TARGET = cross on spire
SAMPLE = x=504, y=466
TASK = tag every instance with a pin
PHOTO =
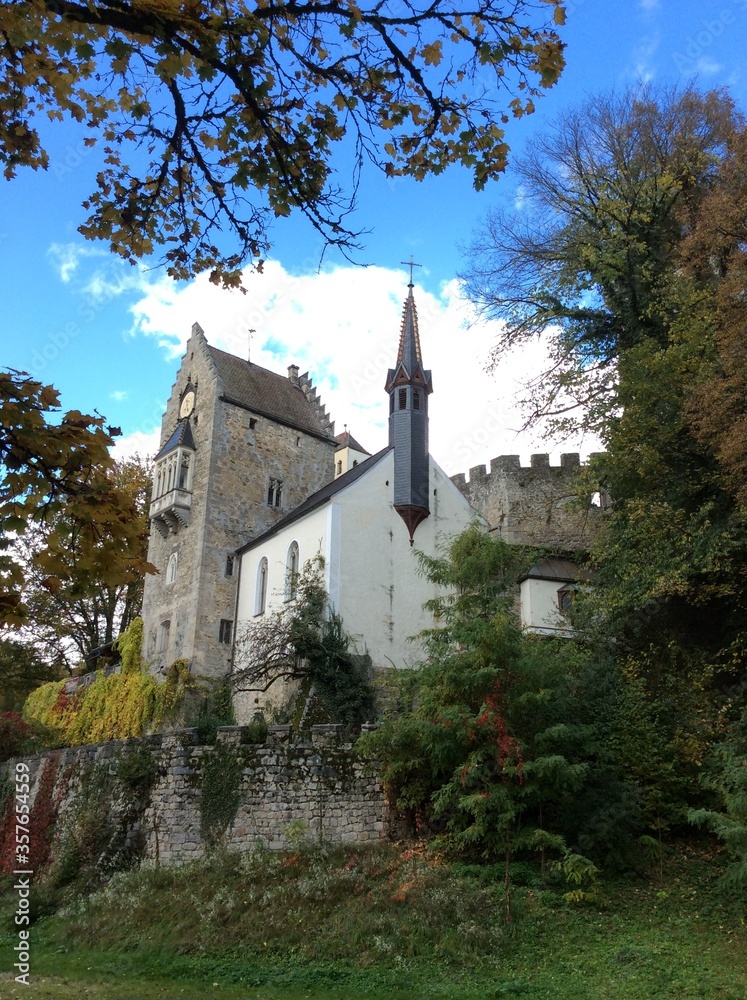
x=411, y=264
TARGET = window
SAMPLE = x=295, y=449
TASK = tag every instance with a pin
x=184, y=473
x=403, y=399
x=565, y=599
x=415, y=399
x=252, y=423
x=355, y=462
x=339, y=467
x=391, y=403
x=229, y=565
x=260, y=595
x=164, y=631
x=225, y=633
x=291, y=572
x=171, y=568
x=275, y=493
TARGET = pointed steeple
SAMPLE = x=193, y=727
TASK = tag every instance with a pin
x=409, y=385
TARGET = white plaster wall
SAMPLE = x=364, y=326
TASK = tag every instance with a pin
x=310, y=535
x=371, y=572
x=539, y=607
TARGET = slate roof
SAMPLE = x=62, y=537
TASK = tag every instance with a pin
x=181, y=436
x=346, y=440
x=266, y=393
x=555, y=568
x=317, y=499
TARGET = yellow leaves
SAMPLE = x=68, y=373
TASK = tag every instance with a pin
x=432, y=53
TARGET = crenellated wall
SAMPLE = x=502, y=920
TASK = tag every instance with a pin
x=271, y=791
x=536, y=504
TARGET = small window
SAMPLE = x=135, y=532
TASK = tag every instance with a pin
x=391, y=403
x=355, y=462
x=291, y=572
x=339, y=467
x=403, y=399
x=164, y=632
x=171, y=568
x=225, y=633
x=275, y=493
x=229, y=565
x=260, y=596
x=565, y=600
x=252, y=423
x=415, y=399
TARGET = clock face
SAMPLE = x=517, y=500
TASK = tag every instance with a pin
x=188, y=404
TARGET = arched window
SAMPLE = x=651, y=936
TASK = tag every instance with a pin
x=260, y=595
x=171, y=568
x=291, y=572
x=164, y=631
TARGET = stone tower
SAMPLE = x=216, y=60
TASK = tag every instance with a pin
x=240, y=447
x=409, y=386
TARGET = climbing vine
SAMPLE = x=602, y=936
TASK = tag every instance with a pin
x=306, y=641
x=220, y=784
x=112, y=707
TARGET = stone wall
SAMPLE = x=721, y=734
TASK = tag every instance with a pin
x=536, y=504
x=282, y=790
x=237, y=452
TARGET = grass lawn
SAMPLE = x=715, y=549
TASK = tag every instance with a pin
x=389, y=923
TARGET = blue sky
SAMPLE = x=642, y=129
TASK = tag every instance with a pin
x=109, y=336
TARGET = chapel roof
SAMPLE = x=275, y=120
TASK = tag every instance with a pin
x=269, y=394
x=320, y=497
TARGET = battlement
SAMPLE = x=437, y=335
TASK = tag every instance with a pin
x=539, y=504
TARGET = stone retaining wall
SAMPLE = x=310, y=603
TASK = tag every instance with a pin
x=281, y=790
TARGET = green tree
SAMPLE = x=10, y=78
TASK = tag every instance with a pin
x=630, y=260
x=86, y=610
x=609, y=192
x=501, y=752
x=21, y=670
x=57, y=473
x=232, y=113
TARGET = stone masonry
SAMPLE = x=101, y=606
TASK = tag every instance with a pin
x=238, y=451
x=535, y=505
x=321, y=787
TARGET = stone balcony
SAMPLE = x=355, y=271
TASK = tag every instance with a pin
x=171, y=511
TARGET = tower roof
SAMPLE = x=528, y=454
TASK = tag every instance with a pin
x=409, y=367
x=409, y=335
x=346, y=440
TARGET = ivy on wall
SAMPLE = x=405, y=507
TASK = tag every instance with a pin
x=113, y=707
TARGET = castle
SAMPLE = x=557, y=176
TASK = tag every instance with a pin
x=251, y=482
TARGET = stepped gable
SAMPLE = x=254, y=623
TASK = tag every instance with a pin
x=290, y=400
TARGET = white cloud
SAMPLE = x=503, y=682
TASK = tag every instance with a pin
x=707, y=66
x=342, y=325
x=66, y=257
x=119, y=395
x=139, y=443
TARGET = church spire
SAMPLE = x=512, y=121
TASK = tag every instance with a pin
x=409, y=386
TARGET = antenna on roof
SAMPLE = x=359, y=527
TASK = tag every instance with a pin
x=249, y=345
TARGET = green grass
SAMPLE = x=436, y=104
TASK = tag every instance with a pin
x=389, y=922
